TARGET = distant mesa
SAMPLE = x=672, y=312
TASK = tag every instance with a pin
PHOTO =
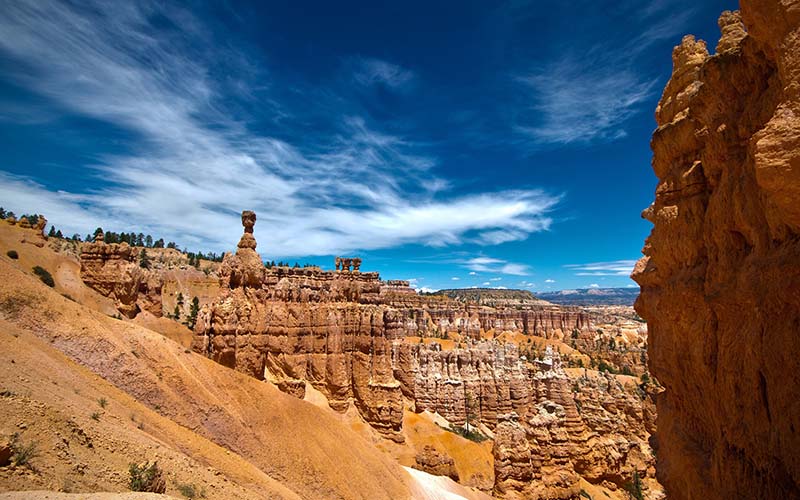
x=592, y=296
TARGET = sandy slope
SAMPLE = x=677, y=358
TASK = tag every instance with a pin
x=189, y=407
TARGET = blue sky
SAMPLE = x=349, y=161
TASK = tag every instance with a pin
x=455, y=144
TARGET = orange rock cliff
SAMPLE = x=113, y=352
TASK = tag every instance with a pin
x=720, y=279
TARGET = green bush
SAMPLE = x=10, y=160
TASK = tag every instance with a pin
x=634, y=488
x=190, y=490
x=146, y=477
x=13, y=254
x=22, y=453
x=472, y=435
x=44, y=275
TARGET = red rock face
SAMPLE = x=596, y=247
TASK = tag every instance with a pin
x=110, y=270
x=721, y=274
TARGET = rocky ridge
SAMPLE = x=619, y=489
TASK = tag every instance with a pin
x=719, y=279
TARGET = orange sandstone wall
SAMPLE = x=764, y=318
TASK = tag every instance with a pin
x=721, y=273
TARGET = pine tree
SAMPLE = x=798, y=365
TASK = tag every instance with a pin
x=2, y=213
x=193, y=310
x=180, y=299
x=52, y=233
x=144, y=260
x=148, y=241
x=59, y=235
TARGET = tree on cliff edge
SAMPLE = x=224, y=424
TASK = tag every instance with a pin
x=144, y=260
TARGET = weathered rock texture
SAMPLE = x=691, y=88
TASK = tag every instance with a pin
x=110, y=269
x=347, y=333
x=721, y=274
x=113, y=270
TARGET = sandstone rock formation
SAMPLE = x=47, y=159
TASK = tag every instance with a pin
x=721, y=269
x=435, y=462
x=110, y=269
x=347, y=333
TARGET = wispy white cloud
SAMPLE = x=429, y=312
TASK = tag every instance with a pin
x=493, y=265
x=594, y=285
x=371, y=71
x=455, y=278
x=191, y=169
x=549, y=281
x=589, y=93
x=612, y=268
x=574, y=101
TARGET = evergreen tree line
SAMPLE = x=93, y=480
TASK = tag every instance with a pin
x=132, y=238
x=280, y=263
x=32, y=218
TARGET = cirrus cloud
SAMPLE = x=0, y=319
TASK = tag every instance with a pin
x=188, y=168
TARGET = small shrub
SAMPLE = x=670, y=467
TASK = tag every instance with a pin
x=13, y=305
x=102, y=402
x=472, y=435
x=96, y=416
x=22, y=453
x=146, y=477
x=190, y=490
x=44, y=275
x=634, y=488
x=13, y=254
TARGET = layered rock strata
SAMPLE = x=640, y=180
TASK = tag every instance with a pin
x=346, y=333
x=720, y=278
x=110, y=269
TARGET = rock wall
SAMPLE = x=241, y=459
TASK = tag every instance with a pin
x=549, y=429
x=113, y=270
x=346, y=333
x=110, y=269
x=720, y=277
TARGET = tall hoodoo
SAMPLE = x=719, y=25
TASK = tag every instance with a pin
x=721, y=273
x=244, y=269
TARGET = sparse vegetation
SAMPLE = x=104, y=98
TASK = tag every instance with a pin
x=146, y=477
x=190, y=490
x=96, y=416
x=472, y=435
x=44, y=275
x=102, y=402
x=634, y=488
x=12, y=254
x=11, y=306
x=22, y=453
